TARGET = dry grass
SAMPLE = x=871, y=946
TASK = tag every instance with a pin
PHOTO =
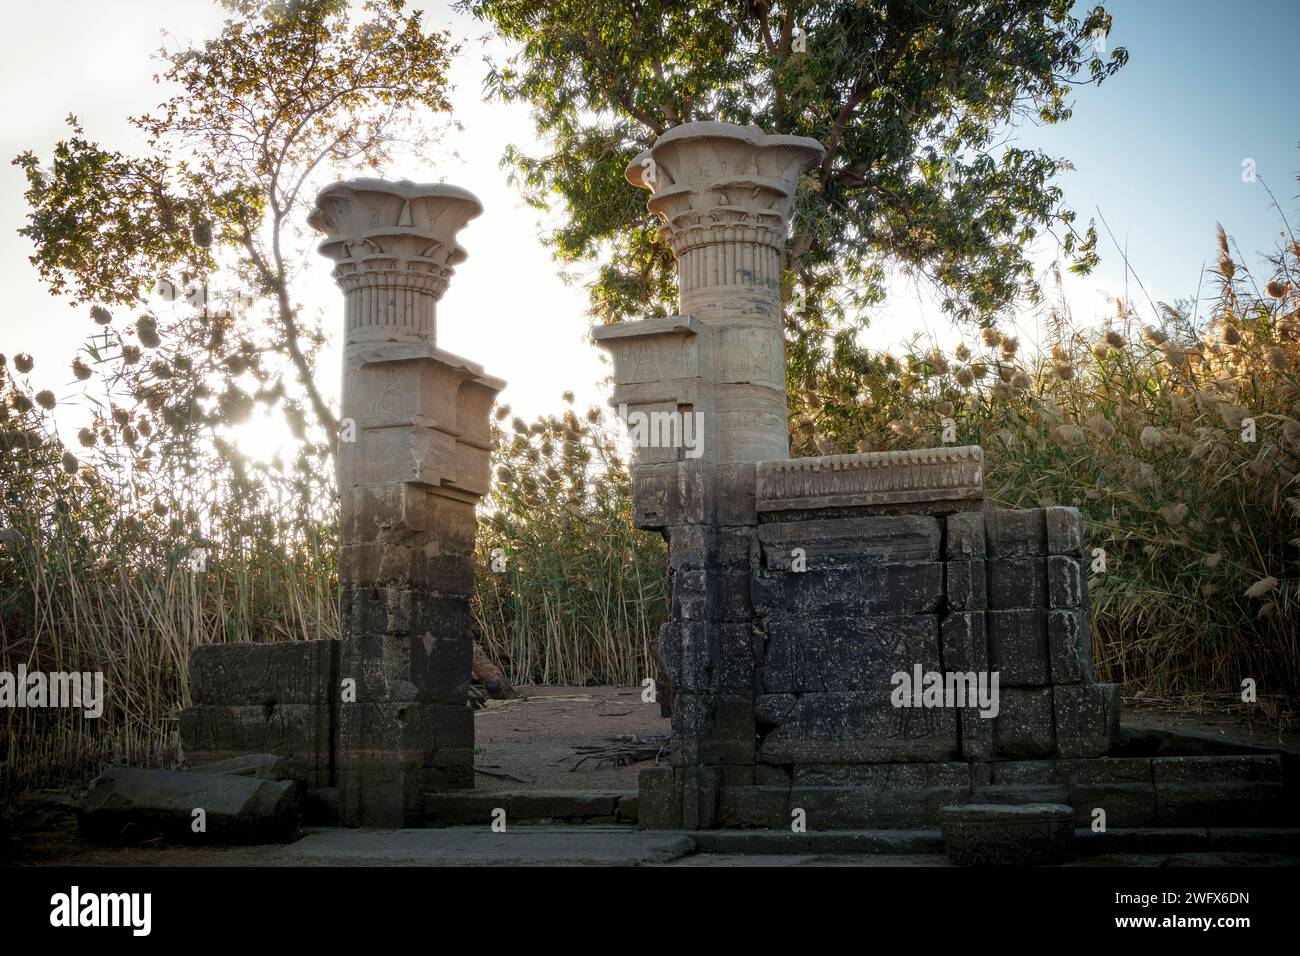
x=1179, y=440
x=1142, y=428
x=97, y=575
x=575, y=594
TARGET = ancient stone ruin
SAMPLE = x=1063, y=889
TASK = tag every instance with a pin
x=855, y=640
x=377, y=720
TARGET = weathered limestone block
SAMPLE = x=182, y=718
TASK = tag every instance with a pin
x=1017, y=583
x=261, y=766
x=1064, y=527
x=965, y=536
x=905, y=588
x=693, y=595
x=999, y=835
x=653, y=352
x=1024, y=726
x=677, y=493
x=404, y=612
x=738, y=547
x=1065, y=582
x=1018, y=647
x=1024, y=781
x=739, y=659
x=849, y=541
x=736, y=500
x=701, y=789
x=713, y=729
x=965, y=641
x=430, y=669
x=851, y=727
x=754, y=807
x=734, y=602
x=1221, y=791
x=301, y=733
x=835, y=808
x=976, y=734
x=878, y=796
x=692, y=653
x=1087, y=718
x=692, y=547
x=660, y=805
x=1016, y=534
x=1020, y=773
x=1069, y=646
x=392, y=753
x=285, y=672
x=897, y=777
x=966, y=585
x=127, y=804
x=1123, y=787
x=818, y=655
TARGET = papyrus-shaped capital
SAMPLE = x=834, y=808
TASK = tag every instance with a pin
x=718, y=182
x=394, y=249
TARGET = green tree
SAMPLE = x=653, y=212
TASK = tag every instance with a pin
x=287, y=93
x=912, y=99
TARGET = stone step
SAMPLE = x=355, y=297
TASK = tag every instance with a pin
x=479, y=846
x=470, y=807
x=818, y=842
x=1138, y=840
x=1274, y=840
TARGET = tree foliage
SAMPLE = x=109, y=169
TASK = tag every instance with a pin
x=912, y=98
x=285, y=94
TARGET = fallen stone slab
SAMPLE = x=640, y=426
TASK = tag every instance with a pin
x=481, y=846
x=261, y=766
x=127, y=804
x=986, y=834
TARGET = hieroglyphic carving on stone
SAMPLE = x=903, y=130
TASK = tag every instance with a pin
x=389, y=392
x=747, y=355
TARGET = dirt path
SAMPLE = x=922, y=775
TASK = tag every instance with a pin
x=534, y=743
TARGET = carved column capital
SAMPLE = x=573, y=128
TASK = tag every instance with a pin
x=718, y=182
x=394, y=249
x=725, y=195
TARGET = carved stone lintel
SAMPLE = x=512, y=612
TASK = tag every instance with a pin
x=950, y=478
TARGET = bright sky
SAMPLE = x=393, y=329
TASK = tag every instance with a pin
x=1159, y=148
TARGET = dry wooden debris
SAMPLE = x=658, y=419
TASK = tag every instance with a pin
x=622, y=750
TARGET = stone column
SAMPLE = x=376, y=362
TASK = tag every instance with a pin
x=413, y=462
x=725, y=195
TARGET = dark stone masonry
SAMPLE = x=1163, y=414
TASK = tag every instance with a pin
x=855, y=641
x=820, y=606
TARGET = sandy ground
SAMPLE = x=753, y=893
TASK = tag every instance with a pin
x=535, y=742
